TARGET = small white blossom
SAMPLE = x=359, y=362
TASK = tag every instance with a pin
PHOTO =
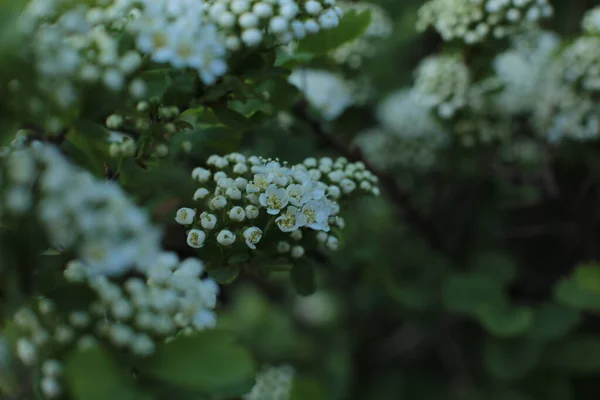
x=252, y=236
x=196, y=238
x=297, y=252
x=237, y=214
x=208, y=221
x=185, y=216
x=201, y=194
x=283, y=247
x=274, y=199
x=226, y=237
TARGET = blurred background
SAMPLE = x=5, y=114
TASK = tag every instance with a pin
x=471, y=283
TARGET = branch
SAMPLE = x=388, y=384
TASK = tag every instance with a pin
x=399, y=197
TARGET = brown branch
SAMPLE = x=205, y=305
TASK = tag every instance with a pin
x=399, y=197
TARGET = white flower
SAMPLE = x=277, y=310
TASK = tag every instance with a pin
x=274, y=199
x=218, y=202
x=52, y=368
x=296, y=235
x=233, y=193
x=283, y=247
x=190, y=267
x=196, y=238
x=142, y=345
x=201, y=174
x=201, y=194
x=240, y=168
x=322, y=237
x=260, y=183
x=317, y=214
x=347, y=185
x=252, y=236
x=208, y=221
x=237, y=214
x=226, y=237
x=297, y=252
x=26, y=352
x=185, y=216
x=332, y=243
x=298, y=195
x=325, y=91
x=251, y=212
x=50, y=387
x=291, y=220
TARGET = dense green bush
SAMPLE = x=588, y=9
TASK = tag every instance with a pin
x=291, y=199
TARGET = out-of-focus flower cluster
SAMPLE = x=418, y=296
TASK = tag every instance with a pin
x=76, y=45
x=591, y=21
x=473, y=21
x=327, y=92
x=93, y=218
x=354, y=52
x=134, y=314
x=272, y=383
x=442, y=83
x=408, y=134
x=250, y=22
x=521, y=72
x=243, y=199
x=567, y=106
x=73, y=44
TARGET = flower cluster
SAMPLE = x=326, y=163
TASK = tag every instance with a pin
x=521, y=71
x=74, y=44
x=442, y=83
x=408, y=134
x=242, y=198
x=94, y=218
x=385, y=150
x=249, y=22
x=579, y=64
x=326, y=91
x=179, y=33
x=473, y=21
x=272, y=383
x=567, y=106
x=591, y=21
x=133, y=315
x=317, y=309
x=354, y=52
x=402, y=114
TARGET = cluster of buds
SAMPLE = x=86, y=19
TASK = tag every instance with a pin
x=244, y=200
x=132, y=314
x=473, y=21
x=249, y=22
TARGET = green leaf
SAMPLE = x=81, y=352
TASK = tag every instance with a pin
x=510, y=359
x=588, y=277
x=580, y=354
x=505, y=321
x=468, y=293
x=496, y=265
x=570, y=293
x=231, y=118
x=93, y=375
x=553, y=321
x=210, y=362
x=157, y=82
x=303, y=277
x=352, y=26
x=224, y=275
x=307, y=389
